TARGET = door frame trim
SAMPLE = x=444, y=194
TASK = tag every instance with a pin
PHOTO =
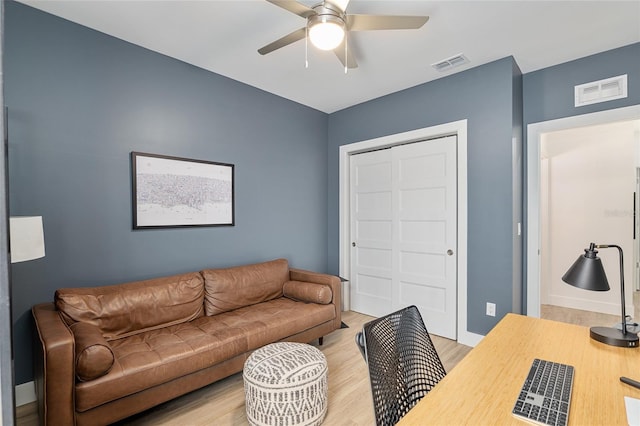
x=456, y=128
x=534, y=136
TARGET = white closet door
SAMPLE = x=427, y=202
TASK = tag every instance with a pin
x=371, y=227
x=424, y=232
x=403, y=222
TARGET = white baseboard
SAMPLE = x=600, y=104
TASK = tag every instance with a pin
x=588, y=305
x=469, y=339
x=25, y=393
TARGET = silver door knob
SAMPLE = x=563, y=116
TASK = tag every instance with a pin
x=450, y=252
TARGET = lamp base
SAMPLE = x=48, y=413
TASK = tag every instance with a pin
x=614, y=337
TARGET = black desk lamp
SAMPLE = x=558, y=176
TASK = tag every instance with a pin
x=587, y=273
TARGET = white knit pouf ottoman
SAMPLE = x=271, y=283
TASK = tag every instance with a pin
x=286, y=384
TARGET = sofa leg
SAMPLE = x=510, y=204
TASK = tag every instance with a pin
x=320, y=339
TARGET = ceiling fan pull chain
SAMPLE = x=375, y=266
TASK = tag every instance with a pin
x=346, y=51
x=306, y=48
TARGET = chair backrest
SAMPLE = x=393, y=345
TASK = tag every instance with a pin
x=403, y=363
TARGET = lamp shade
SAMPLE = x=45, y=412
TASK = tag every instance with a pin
x=27, y=238
x=587, y=272
x=326, y=32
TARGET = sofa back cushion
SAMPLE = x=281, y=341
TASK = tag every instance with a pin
x=232, y=288
x=131, y=308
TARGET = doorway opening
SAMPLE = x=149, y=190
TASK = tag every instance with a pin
x=587, y=194
x=562, y=148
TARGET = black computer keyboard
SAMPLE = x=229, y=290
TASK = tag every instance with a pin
x=546, y=394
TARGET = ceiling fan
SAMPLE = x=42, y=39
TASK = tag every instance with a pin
x=328, y=23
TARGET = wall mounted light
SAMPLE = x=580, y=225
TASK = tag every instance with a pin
x=26, y=236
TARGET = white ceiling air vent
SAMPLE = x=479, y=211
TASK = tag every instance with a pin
x=601, y=91
x=449, y=63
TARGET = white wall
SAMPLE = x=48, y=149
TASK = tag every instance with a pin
x=586, y=195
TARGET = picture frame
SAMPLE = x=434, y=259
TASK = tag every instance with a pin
x=170, y=192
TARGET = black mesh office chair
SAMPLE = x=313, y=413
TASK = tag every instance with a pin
x=403, y=363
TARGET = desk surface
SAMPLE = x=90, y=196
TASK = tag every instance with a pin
x=483, y=387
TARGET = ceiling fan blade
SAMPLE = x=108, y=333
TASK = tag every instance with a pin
x=294, y=7
x=284, y=41
x=384, y=22
x=341, y=4
x=347, y=60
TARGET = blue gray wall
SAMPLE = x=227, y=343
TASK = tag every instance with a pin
x=517, y=154
x=6, y=353
x=548, y=94
x=80, y=101
x=485, y=97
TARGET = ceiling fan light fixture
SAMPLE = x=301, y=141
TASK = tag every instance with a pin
x=326, y=32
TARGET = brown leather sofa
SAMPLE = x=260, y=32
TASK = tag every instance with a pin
x=105, y=353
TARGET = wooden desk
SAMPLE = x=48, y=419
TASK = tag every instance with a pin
x=483, y=387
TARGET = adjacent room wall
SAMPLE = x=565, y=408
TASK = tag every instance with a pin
x=485, y=97
x=80, y=101
x=588, y=188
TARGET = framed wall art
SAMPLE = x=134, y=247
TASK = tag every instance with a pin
x=172, y=192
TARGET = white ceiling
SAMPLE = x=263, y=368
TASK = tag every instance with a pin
x=223, y=37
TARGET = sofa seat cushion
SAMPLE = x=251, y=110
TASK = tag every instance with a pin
x=275, y=320
x=158, y=356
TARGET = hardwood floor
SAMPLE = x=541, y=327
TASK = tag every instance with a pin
x=27, y=414
x=222, y=403
x=588, y=318
x=577, y=316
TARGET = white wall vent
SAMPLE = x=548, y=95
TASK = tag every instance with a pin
x=601, y=91
x=449, y=63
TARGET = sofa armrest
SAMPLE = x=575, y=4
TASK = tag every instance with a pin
x=324, y=279
x=54, y=366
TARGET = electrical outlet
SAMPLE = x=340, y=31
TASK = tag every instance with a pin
x=491, y=309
